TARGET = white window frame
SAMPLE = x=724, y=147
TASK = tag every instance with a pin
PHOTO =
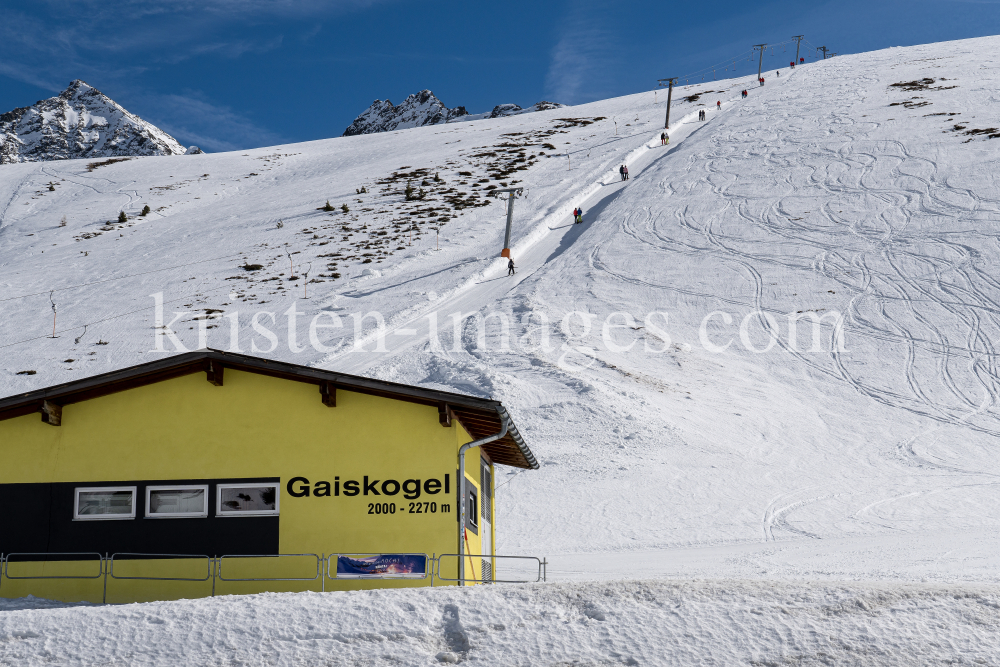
x=102, y=517
x=177, y=515
x=248, y=485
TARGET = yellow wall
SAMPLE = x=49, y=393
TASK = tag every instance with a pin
x=253, y=426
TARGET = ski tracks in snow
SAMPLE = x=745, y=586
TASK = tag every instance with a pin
x=862, y=211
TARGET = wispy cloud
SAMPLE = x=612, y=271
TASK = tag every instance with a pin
x=584, y=57
x=194, y=120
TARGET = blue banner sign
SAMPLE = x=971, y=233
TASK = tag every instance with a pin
x=383, y=566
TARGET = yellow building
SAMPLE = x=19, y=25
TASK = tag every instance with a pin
x=216, y=473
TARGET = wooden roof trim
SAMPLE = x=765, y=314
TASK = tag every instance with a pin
x=480, y=417
x=192, y=362
x=510, y=450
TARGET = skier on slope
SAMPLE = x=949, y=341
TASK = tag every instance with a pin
x=625, y=168
x=663, y=138
x=621, y=172
x=718, y=105
x=744, y=94
x=510, y=266
x=579, y=215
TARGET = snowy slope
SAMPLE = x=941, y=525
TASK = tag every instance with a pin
x=79, y=122
x=830, y=190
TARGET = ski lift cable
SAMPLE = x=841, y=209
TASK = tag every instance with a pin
x=719, y=65
x=724, y=64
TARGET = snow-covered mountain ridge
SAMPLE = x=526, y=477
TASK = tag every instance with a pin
x=424, y=108
x=80, y=122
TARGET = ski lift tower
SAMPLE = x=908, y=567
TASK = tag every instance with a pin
x=670, y=91
x=760, y=65
x=512, y=194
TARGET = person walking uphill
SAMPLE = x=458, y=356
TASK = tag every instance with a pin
x=718, y=105
x=663, y=138
x=625, y=170
x=510, y=266
x=578, y=215
x=621, y=172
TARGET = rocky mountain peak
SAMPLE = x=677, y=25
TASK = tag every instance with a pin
x=424, y=108
x=417, y=110
x=79, y=122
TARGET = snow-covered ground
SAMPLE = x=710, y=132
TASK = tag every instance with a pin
x=830, y=190
x=625, y=623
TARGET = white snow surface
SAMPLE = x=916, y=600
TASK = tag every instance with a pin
x=781, y=474
x=623, y=623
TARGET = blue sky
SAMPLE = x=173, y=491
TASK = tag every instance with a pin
x=234, y=74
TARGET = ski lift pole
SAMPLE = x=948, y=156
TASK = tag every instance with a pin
x=53, y=313
x=511, y=194
x=760, y=65
x=670, y=92
x=798, y=43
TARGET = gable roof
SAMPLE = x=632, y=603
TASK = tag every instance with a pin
x=481, y=417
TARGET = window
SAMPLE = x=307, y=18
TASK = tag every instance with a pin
x=173, y=502
x=486, y=485
x=247, y=500
x=104, y=503
x=473, y=510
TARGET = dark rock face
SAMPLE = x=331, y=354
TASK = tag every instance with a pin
x=80, y=122
x=415, y=111
x=501, y=110
x=424, y=108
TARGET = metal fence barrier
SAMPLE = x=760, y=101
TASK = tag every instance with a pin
x=542, y=567
x=209, y=563
x=100, y=564
x=319, y=568
x=214, y=572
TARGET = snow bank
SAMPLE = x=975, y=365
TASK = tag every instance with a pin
x=623, y=623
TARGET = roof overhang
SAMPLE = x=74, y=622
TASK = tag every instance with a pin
x=481, y=417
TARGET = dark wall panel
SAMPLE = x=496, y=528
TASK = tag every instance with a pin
x=39, y=519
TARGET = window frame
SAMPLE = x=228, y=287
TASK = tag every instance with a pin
x=247, y=485
x=473, y=512
x=103, y=517
x=176, y=515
